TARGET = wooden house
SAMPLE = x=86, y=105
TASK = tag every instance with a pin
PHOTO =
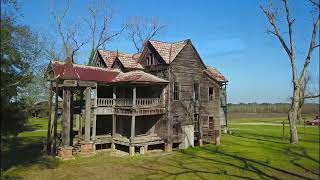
x=164, y=97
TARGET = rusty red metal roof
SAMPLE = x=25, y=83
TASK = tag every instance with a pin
x=69, y=71
x=215, y=74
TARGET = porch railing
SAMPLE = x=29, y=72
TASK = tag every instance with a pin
x=140, y=102
x=148, y=101
x=104, y=102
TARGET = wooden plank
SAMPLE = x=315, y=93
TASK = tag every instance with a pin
x=69, y=83
x=87, y=83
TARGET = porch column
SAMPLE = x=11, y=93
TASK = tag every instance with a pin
x=80, y=125
x=114, y=96
x=133, y=124
x=134, y=96
x=94, y=127
x=71, y=118
x=66, y=118
x=88, y=109
x=49, y=120
x=114, y=125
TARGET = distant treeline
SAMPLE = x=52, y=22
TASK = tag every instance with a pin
x=310, y=108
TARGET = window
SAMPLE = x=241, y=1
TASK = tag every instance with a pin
x=150, y=59
x=176, y=91
x=211, y=95
x=196, y=90
x=176, y=125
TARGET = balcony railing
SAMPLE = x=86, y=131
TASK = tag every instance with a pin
x=140, y=102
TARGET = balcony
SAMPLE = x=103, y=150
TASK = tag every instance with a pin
x=127, y=102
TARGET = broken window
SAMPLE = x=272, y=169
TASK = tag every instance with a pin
x=196, y=90
x=176, y=91
x=211, y=94
x=176, y=125
x=150, y=59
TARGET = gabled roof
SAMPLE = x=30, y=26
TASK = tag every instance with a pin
x=69, y=71
x=108, y=56
x=130, y=60
x=138, y=77
x=168, y=51
x=215, y=74
x=127, y=60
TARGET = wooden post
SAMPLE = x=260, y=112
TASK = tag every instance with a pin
x=94, y=126
x=134, y=95
x=71, y=118
x=133, y=124
x=88, y=109
x=114, y=96
x=49, y=119
x=55, y=120
x=77, y=121
x=96, y=98
x=114, y=125
x=66, y=118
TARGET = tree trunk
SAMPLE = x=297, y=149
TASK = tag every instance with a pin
x=293, y=117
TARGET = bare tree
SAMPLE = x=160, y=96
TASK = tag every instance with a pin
x=298, y=82
x=141, y=29
x=99, y=25
x=68, y=35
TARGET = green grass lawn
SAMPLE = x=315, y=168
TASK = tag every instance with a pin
x=250, y=152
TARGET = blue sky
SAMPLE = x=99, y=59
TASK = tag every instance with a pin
x=228, y=35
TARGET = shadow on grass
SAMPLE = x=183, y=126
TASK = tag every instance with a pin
x=192, y=162
x=24, y=151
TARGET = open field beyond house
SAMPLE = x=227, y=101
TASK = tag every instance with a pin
x=255, y=150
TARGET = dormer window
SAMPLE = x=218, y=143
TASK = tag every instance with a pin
x=150, y=59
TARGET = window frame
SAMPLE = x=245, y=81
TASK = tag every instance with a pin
x=194, y=92
x=210, y=96
x=150, y=59
x=178, y=91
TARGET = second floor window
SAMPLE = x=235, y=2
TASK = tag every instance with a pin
x=176, y=91
x=150, y=59
x=211, y=94
x=196, y=91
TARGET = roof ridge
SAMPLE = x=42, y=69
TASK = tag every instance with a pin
x=169, y=42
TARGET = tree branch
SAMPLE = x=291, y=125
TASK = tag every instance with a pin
x=311, y=48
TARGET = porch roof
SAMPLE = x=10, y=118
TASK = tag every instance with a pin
x=215, y=74
x=69, y=71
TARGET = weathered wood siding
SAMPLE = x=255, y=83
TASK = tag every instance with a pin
x=187, y=69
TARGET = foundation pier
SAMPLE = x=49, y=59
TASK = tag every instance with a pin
x=131, y=150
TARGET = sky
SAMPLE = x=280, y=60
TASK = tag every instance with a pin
x=229, y=35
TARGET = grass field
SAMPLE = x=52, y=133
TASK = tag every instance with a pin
x=252, y=151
